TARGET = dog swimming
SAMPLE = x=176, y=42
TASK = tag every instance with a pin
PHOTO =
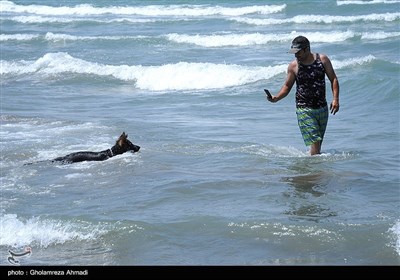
x=122, y=145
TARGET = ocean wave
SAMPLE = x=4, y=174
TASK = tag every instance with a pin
x=49, y=19
x=279, y=230
x=326, y=19
x=395, y=232
x=150, y=10
x=381, y=35
x=357, y=61
x=176, y=76
x=65, y=37
x=55, y=37
x=215, y=40
x=247, y=39
x=363, y=2
x=299, y=19
x=18, y=37
x=18, y=232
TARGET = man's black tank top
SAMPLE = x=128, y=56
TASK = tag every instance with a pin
x=310, y=85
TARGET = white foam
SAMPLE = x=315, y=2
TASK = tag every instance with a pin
x=395, y=230
x=150, y=10
x=353, y=61
x=278, y=229
x=327, y=19
x=363, y=2
x=176, y=76
x=65, y=37
x=300, y=19
x=18, y=37
x=215, y=40
x=222, y=40
x=19, y=232
x=379, y=35
x=69, y=19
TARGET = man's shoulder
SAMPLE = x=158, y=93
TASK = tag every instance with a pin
x=293, y=64
x=326, y=62
x=323, y=57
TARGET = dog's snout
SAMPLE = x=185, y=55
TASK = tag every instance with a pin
x=136, y=148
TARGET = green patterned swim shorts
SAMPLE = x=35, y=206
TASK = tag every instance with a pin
x=312, y=123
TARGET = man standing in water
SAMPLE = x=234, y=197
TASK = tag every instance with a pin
x=308, y=70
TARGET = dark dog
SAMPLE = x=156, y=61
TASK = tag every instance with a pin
x=121, y=146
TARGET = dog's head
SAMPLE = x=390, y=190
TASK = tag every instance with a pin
x=124, y=145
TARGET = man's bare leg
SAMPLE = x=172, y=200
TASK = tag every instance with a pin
x=315, y=148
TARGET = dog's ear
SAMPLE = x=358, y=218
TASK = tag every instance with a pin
x=121, y=139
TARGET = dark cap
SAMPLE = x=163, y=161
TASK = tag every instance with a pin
x=299, y=43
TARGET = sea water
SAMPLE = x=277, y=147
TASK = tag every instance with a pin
x=223, y=176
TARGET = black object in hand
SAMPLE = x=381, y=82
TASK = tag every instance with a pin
x=268, y=94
